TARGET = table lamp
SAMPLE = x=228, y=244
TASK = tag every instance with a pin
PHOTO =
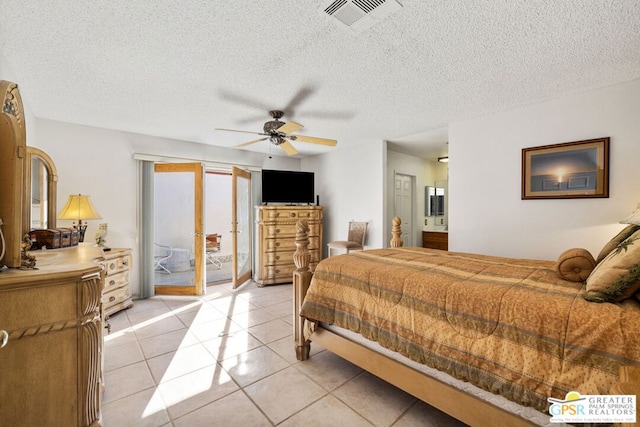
x=78, y=208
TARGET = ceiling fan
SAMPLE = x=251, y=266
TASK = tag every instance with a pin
x=280, y=134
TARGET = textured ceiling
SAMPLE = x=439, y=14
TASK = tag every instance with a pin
x=179, y=69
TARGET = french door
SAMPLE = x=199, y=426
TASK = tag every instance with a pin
x=241, y=226
x=178, y=229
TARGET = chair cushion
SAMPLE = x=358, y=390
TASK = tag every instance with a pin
x=344, y=244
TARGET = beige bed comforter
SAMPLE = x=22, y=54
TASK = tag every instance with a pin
x=509, y=326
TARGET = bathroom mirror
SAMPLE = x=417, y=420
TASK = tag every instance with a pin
x=41, y=192
x=434, y=200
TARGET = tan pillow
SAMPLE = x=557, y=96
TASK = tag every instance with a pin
x=617, y=276
x=617, y=239
x=575, y=264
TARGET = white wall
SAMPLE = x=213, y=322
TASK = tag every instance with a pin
x=99, y=162
x=349, y=182
x=487, y=214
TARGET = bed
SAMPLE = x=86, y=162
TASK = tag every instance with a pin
x=485, y=339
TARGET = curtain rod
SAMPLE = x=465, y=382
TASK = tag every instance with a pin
x=210, y=163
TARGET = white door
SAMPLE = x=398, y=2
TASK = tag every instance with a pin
x=403, y=205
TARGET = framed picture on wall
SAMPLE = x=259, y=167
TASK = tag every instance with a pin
x=571, y=170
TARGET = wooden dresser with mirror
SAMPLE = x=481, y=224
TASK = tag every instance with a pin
x=51, y=316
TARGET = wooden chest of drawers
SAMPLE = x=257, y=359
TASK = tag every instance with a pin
x=277, y=233
x=435, y=240
x=116, y=295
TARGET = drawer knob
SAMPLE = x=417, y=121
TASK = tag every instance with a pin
x=293, y=214
x=112, y=282
x=4, y=338
x=112, y=299
x=277, y=257
x=277, y=243
x=277, y=230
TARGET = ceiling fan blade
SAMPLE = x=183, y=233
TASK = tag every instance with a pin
x=314, y=140
x=243, y=100
x=288, y=148
x=241, y=131
x=250, y=142
x=290, y=127
x=300, y=96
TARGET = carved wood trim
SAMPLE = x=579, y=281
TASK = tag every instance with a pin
x=12, y=102
x=89, y=372
x=301, y=281
x=13, y=152
x=90, y=295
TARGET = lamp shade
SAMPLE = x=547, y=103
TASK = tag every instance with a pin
x=79, y=207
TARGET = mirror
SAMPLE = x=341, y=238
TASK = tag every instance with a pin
x=41, y=192
x=434, y=198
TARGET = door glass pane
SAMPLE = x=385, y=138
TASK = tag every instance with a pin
x=243, y=213
x=174, y=206
x=218, y=219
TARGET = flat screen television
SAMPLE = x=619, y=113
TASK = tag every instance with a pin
x=287, y=186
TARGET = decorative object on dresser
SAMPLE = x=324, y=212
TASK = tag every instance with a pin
x=435, y=240
x=78, y=208
x=276, y=240
x=116, y=295
x=101, y=234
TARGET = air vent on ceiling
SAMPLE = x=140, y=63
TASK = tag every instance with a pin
x=358, y=15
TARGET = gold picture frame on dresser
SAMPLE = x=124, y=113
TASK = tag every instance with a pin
x=276, y=241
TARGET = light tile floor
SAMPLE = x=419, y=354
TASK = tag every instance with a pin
x=227, y=359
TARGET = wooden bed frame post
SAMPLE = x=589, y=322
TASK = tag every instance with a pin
x=396, y=232
x=301, y=281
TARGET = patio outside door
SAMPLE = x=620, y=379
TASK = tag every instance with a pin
x=241, y=226
x=179, y=237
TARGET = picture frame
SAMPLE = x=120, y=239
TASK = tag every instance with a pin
x=569, y=170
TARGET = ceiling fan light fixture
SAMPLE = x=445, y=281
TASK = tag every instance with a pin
x=276, y=140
